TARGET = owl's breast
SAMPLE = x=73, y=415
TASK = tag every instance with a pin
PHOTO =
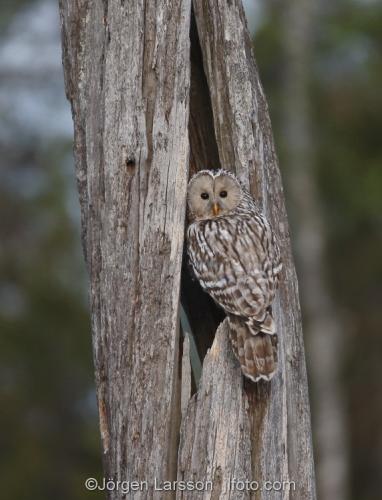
x=232, y=259
x=218, y=252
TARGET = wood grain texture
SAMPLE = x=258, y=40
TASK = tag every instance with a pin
x=279, y=411
x=215, y=441
x=127, y=76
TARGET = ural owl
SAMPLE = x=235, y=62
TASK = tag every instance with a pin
x=234, y=255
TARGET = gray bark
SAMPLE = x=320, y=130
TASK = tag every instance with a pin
x=215, y=434
x=279, y=412
x=127, y=70
x=324, y=330
x=127, y=77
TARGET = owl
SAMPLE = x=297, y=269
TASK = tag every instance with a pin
x=235, y=257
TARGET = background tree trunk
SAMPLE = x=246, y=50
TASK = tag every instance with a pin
x=127, y=69
x=323, y=327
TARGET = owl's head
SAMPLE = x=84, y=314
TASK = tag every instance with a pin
x=213, y=194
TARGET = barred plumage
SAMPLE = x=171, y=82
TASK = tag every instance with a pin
x=234, y=255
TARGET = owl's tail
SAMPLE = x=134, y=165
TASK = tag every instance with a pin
x=255, y=349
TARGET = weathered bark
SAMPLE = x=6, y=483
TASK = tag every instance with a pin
x=127, y=68
x=278, y=412
x=323, y=328
x=215, y=436
x=127, y=77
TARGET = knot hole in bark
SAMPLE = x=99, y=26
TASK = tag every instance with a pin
x=128, y=159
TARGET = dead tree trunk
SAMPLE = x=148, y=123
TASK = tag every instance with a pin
x=127, y=77
x=277, y=422
x=127, y=70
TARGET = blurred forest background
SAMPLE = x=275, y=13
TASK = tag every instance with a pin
x=321, y=67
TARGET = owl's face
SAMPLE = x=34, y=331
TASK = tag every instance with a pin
x=213, y=195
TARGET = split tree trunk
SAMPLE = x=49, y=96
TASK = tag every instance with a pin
x=127, y=70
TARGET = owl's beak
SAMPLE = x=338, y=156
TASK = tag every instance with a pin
x=215, y=209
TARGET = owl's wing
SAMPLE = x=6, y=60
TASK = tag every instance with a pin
x=237, y=263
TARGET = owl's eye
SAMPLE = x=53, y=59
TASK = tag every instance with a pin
x=205, y=196
x=223, y=194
